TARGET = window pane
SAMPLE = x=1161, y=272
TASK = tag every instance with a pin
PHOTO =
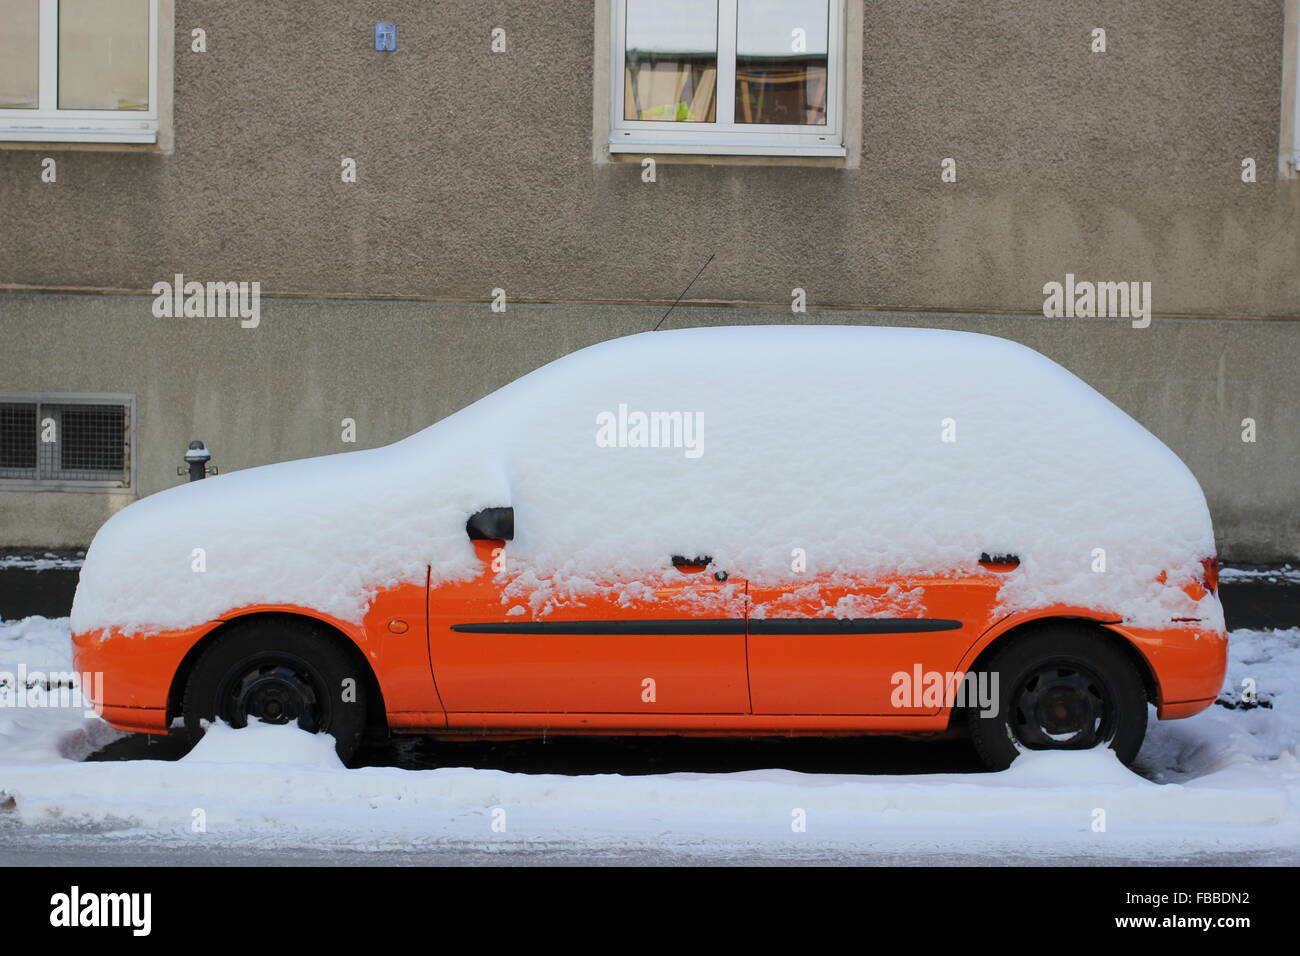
x=103, y=54
x=671, y=65
x=90, y=445
x=17, y=440
x=781, y=61
x=18, y=54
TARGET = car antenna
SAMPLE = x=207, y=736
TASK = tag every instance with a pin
x=684, y=291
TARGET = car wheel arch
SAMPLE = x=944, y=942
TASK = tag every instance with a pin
x=1000, y=635
x=376, y=718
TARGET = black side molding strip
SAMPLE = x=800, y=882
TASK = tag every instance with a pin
x=668, y=627
x=850, y=625
x=778, y=625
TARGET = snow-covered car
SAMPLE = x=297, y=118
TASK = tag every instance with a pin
x=792, y=530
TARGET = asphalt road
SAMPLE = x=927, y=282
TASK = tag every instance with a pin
x=630, y=755
x=27, y=846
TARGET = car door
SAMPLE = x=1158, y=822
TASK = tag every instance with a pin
x=677, y=650
x=860, y=647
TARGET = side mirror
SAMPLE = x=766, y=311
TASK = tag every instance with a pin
x=492, y=524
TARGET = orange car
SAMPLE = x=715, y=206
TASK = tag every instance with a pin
x=692, y=645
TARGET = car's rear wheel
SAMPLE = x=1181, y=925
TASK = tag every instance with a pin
x=1060, y=687
x=279, y=672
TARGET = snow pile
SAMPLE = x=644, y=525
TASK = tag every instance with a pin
x=42, y=707
x=874, y=450
x=1054, y=792
x=1252, y=733
x=265, y=744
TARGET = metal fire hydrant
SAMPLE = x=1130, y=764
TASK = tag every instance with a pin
x=196, y=461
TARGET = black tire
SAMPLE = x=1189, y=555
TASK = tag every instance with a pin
x=1063, y=686
x=279, y=670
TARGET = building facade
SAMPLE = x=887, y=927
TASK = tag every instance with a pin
x=415, y=226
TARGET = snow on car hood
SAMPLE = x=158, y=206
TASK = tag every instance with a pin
x=323, y=533
x=865, y=450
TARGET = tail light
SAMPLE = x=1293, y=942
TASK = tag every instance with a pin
x=1211, y=566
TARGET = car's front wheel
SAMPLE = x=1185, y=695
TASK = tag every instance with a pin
x=1063, y=686
x=279, y=672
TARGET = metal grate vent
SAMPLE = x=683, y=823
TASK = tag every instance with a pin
x=66, y=441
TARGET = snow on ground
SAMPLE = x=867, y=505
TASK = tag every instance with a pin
x=40, y=730
x=46, y=561
x=1283, y=575
x=1224, y=780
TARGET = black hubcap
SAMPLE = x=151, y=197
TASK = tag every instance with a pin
x=275, y=692
x=1062, y=705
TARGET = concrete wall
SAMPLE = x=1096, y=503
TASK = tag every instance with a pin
x=281, y=390
x=476, y=171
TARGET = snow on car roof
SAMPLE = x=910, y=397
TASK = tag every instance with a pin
x=868, y=450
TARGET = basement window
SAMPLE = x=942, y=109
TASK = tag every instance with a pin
x=727, y=77
x=73, y=442
x=79, y=71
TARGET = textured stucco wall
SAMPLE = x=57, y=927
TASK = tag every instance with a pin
x=475, y=169
x=280, y=391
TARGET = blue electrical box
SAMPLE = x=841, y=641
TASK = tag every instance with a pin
x=385, y=36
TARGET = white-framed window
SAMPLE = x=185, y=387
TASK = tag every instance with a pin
x=79, y=71
x=727, y=77
x=78, y=441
